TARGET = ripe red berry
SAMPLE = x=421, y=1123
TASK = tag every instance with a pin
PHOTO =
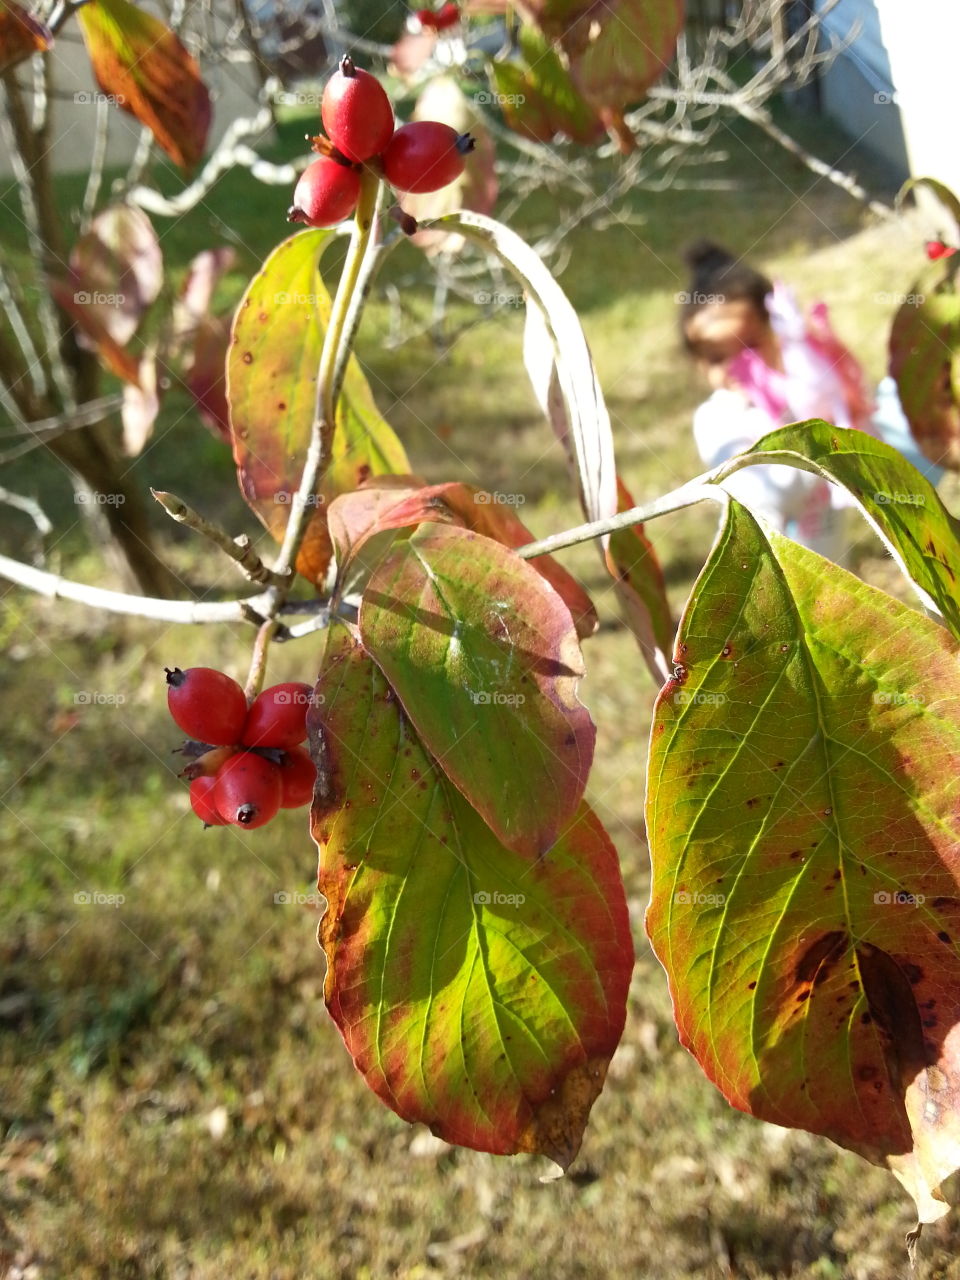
x=247, y=790
x=937, y=250
x=202, y=802
x=206, y=705
x=326, y=194
x=425, y=156
x=356, y=112
x=448, y=15
x=278, y=717
x=297, y=776
x=427, y=18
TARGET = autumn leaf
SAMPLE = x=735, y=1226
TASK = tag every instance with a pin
x=901, y=504
x=20, y=35
x=805, y=839
x=478, y=993
x=145, y=67
x=271, y=388
x=484, y=657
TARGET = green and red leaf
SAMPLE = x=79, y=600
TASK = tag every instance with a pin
x=538, y=97
x=617, y=50
x=805, y=838
x=145, y=67
x=899, y=502
x=484, y=657
x=271, y=388
x=478, y=993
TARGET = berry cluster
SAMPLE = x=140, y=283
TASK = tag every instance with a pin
x=448, y=15
x=356, y=113
x=249, y=762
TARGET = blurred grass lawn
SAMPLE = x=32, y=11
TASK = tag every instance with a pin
x=176, y=1102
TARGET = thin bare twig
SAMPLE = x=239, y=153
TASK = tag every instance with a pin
x=183, y=611
x=229, y=153
x=30, y=507
x=238, y=549
x=29, y=170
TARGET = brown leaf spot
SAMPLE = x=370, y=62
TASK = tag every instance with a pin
x=556, y=1126
x=824, y=953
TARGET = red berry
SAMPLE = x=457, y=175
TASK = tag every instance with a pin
x=425, y=156
x=278, y=717
x=356, y=112
x=326, y=194
x=448, y=15
x=206, y=705
x=427, y=18
x=247, y=790
x=201, y=800
x=297, y=776
x=936, y=250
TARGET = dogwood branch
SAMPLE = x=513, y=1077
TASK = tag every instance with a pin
x=238, y=549
x=54, y=587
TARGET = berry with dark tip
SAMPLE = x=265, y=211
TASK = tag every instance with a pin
x=247, y=790
x=206, y=705
x=425, y=155
x=356, y=112
x=326, y=194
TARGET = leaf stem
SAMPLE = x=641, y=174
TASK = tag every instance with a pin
x=321, y=435
x=340, y=331
x=687, y=495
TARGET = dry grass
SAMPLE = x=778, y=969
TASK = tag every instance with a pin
x=176, y=1102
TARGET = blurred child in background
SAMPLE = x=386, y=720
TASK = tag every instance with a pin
x=768, y=365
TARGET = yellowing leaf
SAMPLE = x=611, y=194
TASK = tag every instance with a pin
x=141, y=63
